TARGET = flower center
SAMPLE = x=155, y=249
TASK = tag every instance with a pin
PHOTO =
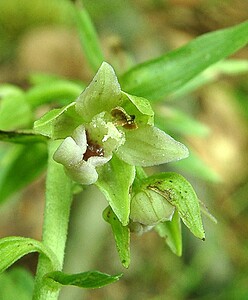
x=93, y=149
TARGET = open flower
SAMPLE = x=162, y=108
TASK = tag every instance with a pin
x=108, y=120
x=107, y=137
x=105, y=120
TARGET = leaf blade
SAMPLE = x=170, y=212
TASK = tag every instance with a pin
x=89, y=39
x=89, y=280
x=21, y=137
x=13, y=248
x=57, y=91
x=159, y=77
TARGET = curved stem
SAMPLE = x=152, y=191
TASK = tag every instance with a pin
x=56, y=218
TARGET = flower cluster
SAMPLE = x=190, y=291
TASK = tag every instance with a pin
x=107, y=137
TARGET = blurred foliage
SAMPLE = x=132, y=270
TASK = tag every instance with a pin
x=131, y=32
x=17, y=17
x=21, y=279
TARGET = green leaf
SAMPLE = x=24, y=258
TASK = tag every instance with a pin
x=229, y=67
x=89, y=38
x=179, y=192
x=115, y=179
x=16, y=284
x=87, y=280
x=171, y=231
x=57, y=91
x=157, y=78
x=149, y=146
x=58, y=123
x=121, y=235
x=15, y=113
x=13, y=248
x=21, y=137
x=19, y=166
x=39, y=78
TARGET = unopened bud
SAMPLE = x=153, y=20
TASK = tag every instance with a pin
x=149, y=208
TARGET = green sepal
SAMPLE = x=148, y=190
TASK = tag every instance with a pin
x=58, y=123
x=102, y=94
x=149, y=146
x=87, y=280
x=171, y=232
x=179, y=192
x=121, y=235
x=13, y=248
x=115, y=179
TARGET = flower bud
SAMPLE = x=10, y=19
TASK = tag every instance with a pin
x=149, y=208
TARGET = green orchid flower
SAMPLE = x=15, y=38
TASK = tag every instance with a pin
x=104, y=121
x=107, y=137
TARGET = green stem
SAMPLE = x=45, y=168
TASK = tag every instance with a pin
x=56, y=217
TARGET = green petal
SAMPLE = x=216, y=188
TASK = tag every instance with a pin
x=140, y=108
x=149, y=146
x=103, y=94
